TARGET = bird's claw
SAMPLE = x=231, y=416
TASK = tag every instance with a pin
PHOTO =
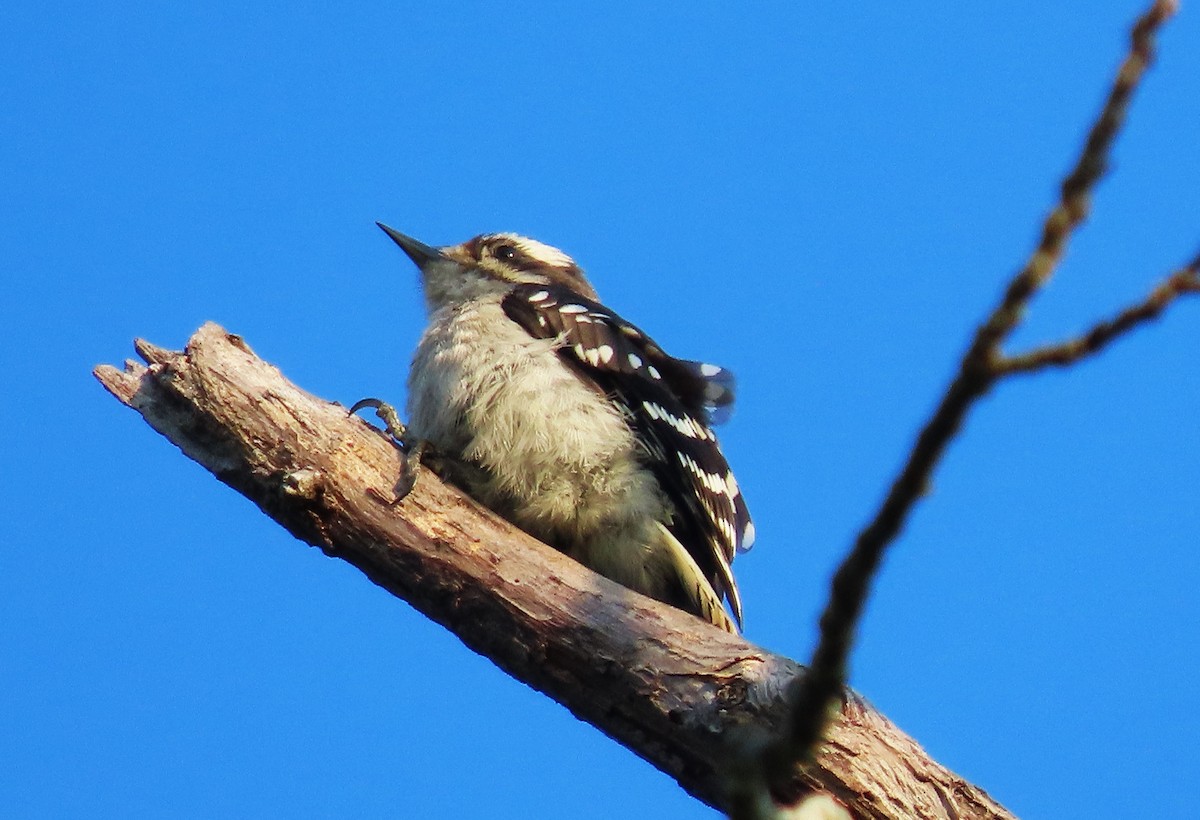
x=412, y=450
x=395, y=428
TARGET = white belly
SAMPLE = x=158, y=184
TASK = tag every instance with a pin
x=559, y=458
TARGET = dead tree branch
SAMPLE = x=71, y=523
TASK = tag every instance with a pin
x=687, y=697
x=814, y=696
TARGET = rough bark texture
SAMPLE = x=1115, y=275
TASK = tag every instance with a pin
x=687, y=697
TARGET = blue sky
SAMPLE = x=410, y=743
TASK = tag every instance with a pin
x=823, y=197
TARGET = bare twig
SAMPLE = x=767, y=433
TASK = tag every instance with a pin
x=1075, y=199
x=1186, y=280
x=815, y=695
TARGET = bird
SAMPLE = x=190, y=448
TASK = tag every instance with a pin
x=573, y=424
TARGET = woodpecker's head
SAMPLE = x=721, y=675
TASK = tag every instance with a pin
x=489, y=265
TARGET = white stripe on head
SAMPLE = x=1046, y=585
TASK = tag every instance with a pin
x=538, y=251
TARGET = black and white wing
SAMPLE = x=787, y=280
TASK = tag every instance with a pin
x=672, y=402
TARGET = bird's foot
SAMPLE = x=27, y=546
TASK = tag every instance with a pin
x=412, y=450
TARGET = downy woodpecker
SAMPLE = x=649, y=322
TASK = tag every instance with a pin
x=573, y=424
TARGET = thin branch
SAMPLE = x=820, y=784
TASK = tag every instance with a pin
x=814, y=697
x=1077, y=188
x=1185, y=281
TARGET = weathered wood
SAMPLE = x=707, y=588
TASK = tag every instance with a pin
x=687, y=697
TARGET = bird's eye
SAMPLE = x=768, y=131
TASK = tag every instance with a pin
x=505, y=253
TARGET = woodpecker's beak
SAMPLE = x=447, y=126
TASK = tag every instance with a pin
x=418, y=252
